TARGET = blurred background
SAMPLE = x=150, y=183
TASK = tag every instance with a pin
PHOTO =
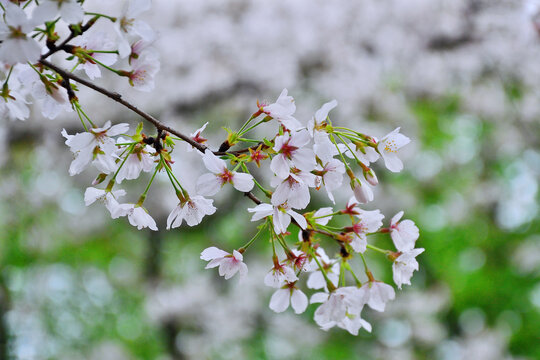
x=460, y=77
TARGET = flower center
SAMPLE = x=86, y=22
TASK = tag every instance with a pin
x=226, y=177
x=288, y=150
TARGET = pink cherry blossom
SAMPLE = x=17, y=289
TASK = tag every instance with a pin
x=404, y=233
x=291, y=152
x=229, y=264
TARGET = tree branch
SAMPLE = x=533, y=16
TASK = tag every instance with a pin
x=118, y=98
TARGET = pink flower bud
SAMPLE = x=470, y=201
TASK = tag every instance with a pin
x=371, y=177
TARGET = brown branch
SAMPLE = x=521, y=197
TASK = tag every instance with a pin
x=118, y=98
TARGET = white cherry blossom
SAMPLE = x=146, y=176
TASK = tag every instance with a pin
x=289, y=294
x=108, y=198
x=140, y=159
x=84, y=145
x=317, y=122
x=192, y=210
x=342, y=304
x=282, y=110
x=54, y=96
x=294, y=189
x=229, y=264
x=96, y=41
x=362, y=190
x=209, y=184
x=365, y=153
x=70, y=11
x=368, y=222
x=316, y=279
x=281, y=216
x=404, y=266
x=404, y=233
x=388, y=148
x=137, y=216
x=17, y=46
x=291, y=152
x=332, y=177
x=128, y=25
x=377, y=294
x=13, y=105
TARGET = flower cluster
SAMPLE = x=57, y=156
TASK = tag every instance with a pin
x=28, y=36
x=301, y=157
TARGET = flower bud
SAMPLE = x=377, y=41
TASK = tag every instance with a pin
x=371, y=177
x=361, y=192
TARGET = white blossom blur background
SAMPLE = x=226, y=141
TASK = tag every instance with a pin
x=461, y=78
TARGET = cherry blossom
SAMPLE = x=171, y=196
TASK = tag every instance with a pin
x=404, y=266
x=281, y=216
x=316, y=279
x=17, y=46
x=143, y=71
x=127, y=25
x=229, y=264
x=108, y=198
x=404, y=233
x=282, y=110
x=95, y=41
x=192, y=210
x=369, y=222
x=70, y=11
x=140, y=159
x=341, y=308
x=324, y=148
x=377, y=294
x=388, y=148
x=280, y=274
x=13, y=104
x=294, y=189
x=209, y=184
x=289, y=294
x=137, y=216
x=292, y=153
x=331, y=177
x=362, y=190
x=83, y=145
x=318, y=122
x=365, y=153
x=197, y=137
x=54, y=96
